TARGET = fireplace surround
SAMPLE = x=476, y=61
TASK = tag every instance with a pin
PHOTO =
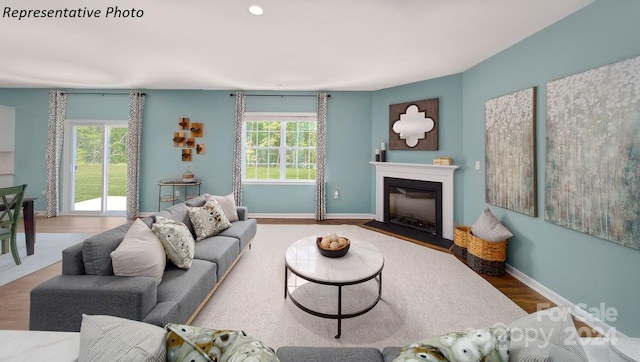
x=421, y=172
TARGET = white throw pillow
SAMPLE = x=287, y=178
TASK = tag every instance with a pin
x=489, y=228
x=140, y=254
x=547, y=335
x=107, y=338
x=228, y=205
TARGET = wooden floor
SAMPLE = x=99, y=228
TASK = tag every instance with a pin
x=14, y=297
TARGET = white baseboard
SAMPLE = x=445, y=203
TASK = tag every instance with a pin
x=578, y=312
x=309, y=216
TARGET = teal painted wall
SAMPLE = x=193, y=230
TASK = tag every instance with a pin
x=581, y=268
x=448, y=90
x=348, y=129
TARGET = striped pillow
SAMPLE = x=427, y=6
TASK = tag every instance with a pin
x=107, y=338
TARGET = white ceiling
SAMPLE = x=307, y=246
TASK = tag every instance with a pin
x=295, y=45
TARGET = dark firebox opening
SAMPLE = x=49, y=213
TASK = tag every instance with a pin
x=414, y=204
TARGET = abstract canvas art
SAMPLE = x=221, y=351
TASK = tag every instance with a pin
x=592, y=170
x=510, y=177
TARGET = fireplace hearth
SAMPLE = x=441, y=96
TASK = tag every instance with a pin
x=419, y=211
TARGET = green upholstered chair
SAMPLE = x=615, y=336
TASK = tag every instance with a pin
x=10, y=207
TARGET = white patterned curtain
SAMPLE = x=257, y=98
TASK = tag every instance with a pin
x=55, y=136
x=321, y=150
x=136, y=107
x=237, y=148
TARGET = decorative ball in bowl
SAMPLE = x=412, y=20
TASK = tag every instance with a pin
x=332, y=245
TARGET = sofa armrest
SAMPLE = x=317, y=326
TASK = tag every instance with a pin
x=243, y=212
x=58, y=304
x=72, y=261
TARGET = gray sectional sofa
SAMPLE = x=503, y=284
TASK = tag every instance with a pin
x=88, y=284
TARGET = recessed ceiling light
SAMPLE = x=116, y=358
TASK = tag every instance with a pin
x=256, y=10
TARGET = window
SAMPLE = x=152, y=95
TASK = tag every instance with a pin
x=279, y=147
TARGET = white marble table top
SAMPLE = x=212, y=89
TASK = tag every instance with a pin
x=25, y=346
x=363, y=260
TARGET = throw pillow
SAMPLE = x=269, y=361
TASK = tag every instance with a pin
x=489, y=228
x=96, y=250
x=487, y=344
x=140, y=254
x=176, y=239
x=195, y=344
x=228, y=205
x=547, y=335
x=107, y=338
x=208, y=220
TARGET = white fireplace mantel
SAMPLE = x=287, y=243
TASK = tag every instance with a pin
x=421, y=172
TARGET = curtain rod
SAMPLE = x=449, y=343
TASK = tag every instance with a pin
x=279, y=95
x=102, y=94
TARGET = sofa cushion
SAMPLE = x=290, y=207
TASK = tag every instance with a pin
x=243, y=230
x=195, y=344
x=489, y=228
x=323, y=354
x=96, y=250
x=547, y=335
x=390, y=353
x=181, y=291
x=140, y=254
x=208, y=219
x=107, y=338
x=220, y=250
x=486, y=344
x=176, y=239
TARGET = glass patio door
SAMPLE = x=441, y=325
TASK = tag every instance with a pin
x=96, y=165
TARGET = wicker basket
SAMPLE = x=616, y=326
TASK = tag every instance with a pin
x=460, y=233
x=486, y=257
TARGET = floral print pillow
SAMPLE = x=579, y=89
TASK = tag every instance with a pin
x=473, y=345
x=176, y=239
x=209, y=219
x=198, y=344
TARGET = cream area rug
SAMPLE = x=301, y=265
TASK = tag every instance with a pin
x=425, y=293
x=48, y=250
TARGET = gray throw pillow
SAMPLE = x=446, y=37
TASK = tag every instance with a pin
x=96, y=250
x=489, y=228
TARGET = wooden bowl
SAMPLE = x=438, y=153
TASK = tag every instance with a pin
x=333, y=253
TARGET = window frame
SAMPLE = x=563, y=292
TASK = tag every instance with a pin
x=275, y=117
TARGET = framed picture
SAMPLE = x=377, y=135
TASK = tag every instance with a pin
x=414, y=125
x=510, y=151
x=593, y=152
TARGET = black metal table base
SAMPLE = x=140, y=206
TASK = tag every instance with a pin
x=339, y=316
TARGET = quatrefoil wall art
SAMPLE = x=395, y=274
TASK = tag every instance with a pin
x=414, y=125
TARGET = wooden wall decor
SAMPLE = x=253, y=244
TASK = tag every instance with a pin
x=414, y=125
x=183, y=123
x=186, y=154
x=179, y=139
x=196, y=129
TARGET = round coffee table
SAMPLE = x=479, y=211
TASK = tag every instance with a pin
x=362, y=263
